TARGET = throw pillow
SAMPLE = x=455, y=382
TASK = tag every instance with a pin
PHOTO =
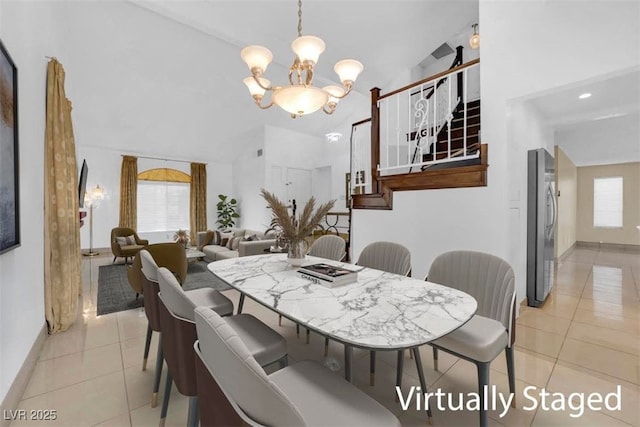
x=216, y=237
x=225, y=237
x=224, y=241
x=234, y=243
x=251, y=238
x=126, y=241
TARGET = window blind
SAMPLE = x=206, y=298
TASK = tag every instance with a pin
x=607, y=202
x=163, y=206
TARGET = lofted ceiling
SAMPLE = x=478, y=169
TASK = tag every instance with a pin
x=601, y=129
x=388, y=37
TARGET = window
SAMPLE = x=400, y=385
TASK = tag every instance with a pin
x=163, y=206
x=607, y=202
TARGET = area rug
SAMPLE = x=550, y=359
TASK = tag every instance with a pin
x=115, y=294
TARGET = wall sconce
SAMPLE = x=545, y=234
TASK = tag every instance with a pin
x=474, y=40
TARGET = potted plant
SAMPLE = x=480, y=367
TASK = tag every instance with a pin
x=182, y=236
x=295, y=229
x=227, y=212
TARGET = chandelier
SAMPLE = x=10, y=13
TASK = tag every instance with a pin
x=300, y=97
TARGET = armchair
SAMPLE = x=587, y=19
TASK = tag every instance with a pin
x=129, y=249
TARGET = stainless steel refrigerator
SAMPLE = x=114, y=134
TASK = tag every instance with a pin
x=542, y=213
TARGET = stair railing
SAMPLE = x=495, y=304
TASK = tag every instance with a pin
x=408, y=122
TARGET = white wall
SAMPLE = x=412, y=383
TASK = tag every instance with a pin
x=514, y=64
x=136, y=76
x=22, y=269
x=249, y=177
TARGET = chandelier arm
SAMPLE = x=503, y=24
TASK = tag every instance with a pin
x=347, y=91
x=330, y=111
x=264, y=107
x=257, y=80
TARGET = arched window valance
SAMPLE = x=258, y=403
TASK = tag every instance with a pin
x=164, y=174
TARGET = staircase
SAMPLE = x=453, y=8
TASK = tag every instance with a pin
x=457, y=138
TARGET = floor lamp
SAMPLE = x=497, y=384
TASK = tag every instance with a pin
x=92, y=199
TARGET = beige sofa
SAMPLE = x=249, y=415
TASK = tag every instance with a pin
x=214, y=251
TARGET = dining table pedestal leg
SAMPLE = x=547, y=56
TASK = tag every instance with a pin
x=423, y=383
x=348, y=362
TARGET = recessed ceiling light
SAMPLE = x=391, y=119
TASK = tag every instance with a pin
x=333, y=137
x=585, y=95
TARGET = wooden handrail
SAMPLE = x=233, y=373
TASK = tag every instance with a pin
x=428, y=79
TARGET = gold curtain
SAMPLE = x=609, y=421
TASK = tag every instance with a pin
x=62, y=273
x=198, y=200
x=129, y=192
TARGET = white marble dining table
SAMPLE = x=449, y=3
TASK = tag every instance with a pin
x=380, y=311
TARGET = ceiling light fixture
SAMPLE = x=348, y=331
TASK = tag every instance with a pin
x=333, y=137
x=474, y=40
x=585, y=96
x=300, y=97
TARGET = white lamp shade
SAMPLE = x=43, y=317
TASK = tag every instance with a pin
x=300, y=100
x=308, y=48
x=97, y=193
x=335, y=92
x=256, y=57
x=348, y=70
x=254, y=88
x=474, y=41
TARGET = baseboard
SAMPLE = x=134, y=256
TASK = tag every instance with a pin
x=19, y=385
x=566, y=253
x=611, y=246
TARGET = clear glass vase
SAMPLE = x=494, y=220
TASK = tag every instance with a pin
x=296, y=252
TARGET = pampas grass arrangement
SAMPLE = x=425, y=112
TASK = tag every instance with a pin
x=296, y=229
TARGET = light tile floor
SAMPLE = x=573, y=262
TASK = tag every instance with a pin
x=585, y=339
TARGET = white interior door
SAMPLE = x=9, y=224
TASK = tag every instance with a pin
x=321, y=184
x=278, y=181
x=298, y=186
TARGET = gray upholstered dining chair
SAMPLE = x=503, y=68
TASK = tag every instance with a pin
x=329, y=246
x=392, y=258
x=303, y=394
x=490, y=280
x=179, y=334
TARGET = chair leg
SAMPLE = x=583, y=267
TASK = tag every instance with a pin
x=399, y=369
x=158, y=374
x=165, y=399
x=297, y=329
x=410, y=354
x=483, y=380
x=511, y=374
x=147, y=344
x=372, y=368
x=423, y=382
x=280, y=320
x=193, y=417
x=326, y=346
x=240, y=303
x=435, y=358
x=114, y=260
x=308, y=333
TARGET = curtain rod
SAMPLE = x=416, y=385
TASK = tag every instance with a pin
x=160, y=158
